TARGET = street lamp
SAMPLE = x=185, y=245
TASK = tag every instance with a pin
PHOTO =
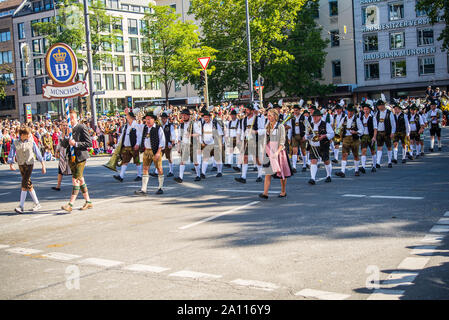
x=250, y=68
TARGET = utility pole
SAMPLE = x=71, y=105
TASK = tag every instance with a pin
x=93, y=109
x=250, y=68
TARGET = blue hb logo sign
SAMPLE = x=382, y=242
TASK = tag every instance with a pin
x=61, y=63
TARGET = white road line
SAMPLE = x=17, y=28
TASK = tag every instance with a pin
x=386, y=294
x=101, y=262
x=397, y=197
x=61, y=256
x=443, y=221
x=4, y=194
x=354, y=195
x=432, y=238
x=413, y=263
x=446, y=214
x=194, y=275
x=23, y=251
x=145, y=268
x=218, y=215
x=3, y=246
x=398, y=278
x=322, y=295
x=423, y=250
x=246, y=191
x=439, y=229
x=267, y=286
x=40, y=216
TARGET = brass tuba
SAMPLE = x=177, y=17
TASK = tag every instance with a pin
x=116, y=159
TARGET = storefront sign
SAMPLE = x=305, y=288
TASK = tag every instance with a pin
x=398, y=53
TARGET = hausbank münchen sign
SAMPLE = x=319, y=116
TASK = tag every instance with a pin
x=398, y=53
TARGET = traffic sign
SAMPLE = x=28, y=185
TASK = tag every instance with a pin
x=204, y=62
x=61, y=63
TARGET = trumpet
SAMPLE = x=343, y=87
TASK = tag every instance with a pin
x=116, y=159
x=315, y=137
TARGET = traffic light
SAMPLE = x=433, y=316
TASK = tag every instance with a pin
x=202, y=78
x=130, y=101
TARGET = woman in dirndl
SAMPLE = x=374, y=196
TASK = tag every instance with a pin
x=61, y=154
x=276, y=161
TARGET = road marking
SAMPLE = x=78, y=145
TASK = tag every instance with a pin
x=218, y=215
x=443, y=221
x=398, y=278
x=322, y=295
x=446, y=214
x=3, y=246
x=439, y=229
x=246, y=191
x=386, y=294
x=23, y=251
x=267, y=286
x=354, y=195
x=382, y=197
x=101, y=262
x=432, y=238
x=424, y=250
x=40, y=216
x=145, y=268
x=61, y=256
x=4, y=194
x=413, y=263
x=194, y=275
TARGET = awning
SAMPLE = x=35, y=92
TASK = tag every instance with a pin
x=398, y=86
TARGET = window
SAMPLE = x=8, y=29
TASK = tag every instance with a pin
x=25, y=87
x=173, y=6
x=5, y=57
x=397, y=40
x=135, y=63
x=426, y=65
x=370, y=43
x=177, y=86
x=97, y=66
x=335, y=38
x=109, y=81
x=36, y=47
x=119, y=45
x=8, y=103
x=107, y=46
x=8, y=78
x=398, y=68
x=97, y=81
x=333, y=8
x=132, y=26
x=372, y=71
x=143, y=26
x=21, y=29
x=135, y=8
x=148, y=82
x=23, y=69
x=48, y=5
x=5, y=35
x=336, y=68
x=118, y=24
x=120, y=63
x=136, y=82
x=113, y=4
x=425, y=37
x=37, y=6
x=134, y=45
x=45, y=44
x=396, y=11
x=125, y=7
x=107, y=64
x=38, y=83
x=38, y=67
x=121, y=82
x=34, y=32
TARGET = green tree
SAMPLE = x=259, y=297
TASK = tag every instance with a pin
x=172, y=48
x=437, y=10
x=223, y=25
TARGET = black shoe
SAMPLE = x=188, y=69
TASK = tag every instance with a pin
x=373, y=169
x=377, y=166
x=362, y=170
x=340, y=174
x=395, y=161
x=304, y=169
x=328, y=179
x=140, y=193
x=159, y=191
x=422, y=154
x=138, y=178
x=404, y=161
x=193, y=169
x=197, y=179
x=57, y=189
x=294, y=170
x=439, y=148
x=219, y=175
x=170, y=175
x=390, y=165
x=431, y=150
x=241, y=180
x=203, y=176
x=214, y=169
x=261, y=195
x=357, y=174
x=410, y=157
x=151, y=174
x=308, y=166
x=312, y=182
x=118, y=178
x=259, y=179
x=282, y=196
x=335, y=161
x=178, y=179
x=255, y=169
x=227, y=165
x=236, y=169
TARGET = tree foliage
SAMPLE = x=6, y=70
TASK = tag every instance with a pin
x=437, y=10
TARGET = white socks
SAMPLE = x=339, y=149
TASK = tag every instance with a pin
x=197, y=170
x=390, y=154
x=219, y=167
x=374, y=160
x=343, y=166
x=304, y=160
x=259, y=171
x=204, y=167
x=313, y=170
x=328, y=170
x=379, y=156
x=182, y=167
x=160, y=178
x=294, y=160
x=336, y=154
x=363, y=162
x=404, y=153
x=145, y=179
x=23, y=196
x=244, y=170
x=33, y=196
x=123, y=170
x=356, y=164
x=170, y=166
x=395, y=153
x=432, y=143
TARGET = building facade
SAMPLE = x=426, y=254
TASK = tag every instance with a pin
x=114, y=80
x=9, y=104
x=397, y=51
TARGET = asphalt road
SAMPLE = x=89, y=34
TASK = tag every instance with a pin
x=377, y=236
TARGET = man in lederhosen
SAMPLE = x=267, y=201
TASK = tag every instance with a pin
x=319, y=133
x=232, y=139
x=416, y=129
x=170, y=136
x=152, y=142
x=336, y=124
x=297, y=136
x=130, y=139
x=386, y=128
x=401, y=134
x=369, y=136
x=211, y=144
x=351, y=131
x=434, y=118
